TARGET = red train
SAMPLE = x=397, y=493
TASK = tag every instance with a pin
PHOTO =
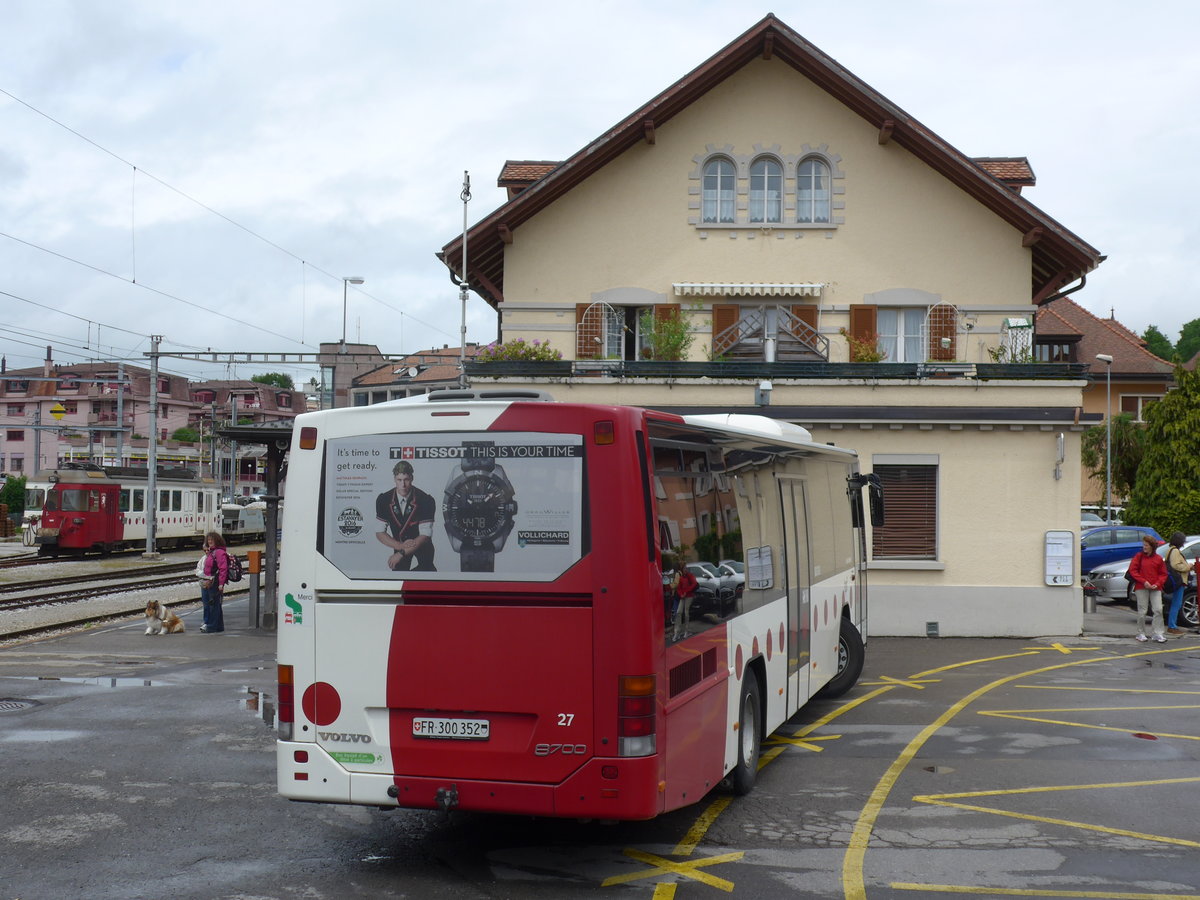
x=78, y=508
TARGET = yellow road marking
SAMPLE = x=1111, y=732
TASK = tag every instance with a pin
x=1018, y=714
x=944, y=800
x=853, y=863
x=1034, y=892
x=664, y=891
x=973, y=662
x=693, y=868
x=806, y=743
x=700, y=826
x=1054, y=687
x=1062, y=648
x=903, y=682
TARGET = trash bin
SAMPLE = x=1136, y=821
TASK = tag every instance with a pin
x=1089, y=603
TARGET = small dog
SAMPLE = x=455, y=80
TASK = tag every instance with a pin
x=160, y=620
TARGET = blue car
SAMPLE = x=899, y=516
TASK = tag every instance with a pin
x=1111, y=543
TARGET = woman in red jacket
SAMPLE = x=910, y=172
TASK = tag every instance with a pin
x=1149, y=574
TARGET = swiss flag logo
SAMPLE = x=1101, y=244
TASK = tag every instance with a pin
x=407, y=453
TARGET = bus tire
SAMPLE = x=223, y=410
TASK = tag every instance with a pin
x=851, y=656
x=749, y=735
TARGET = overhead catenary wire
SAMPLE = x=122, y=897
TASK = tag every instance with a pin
x=135, y=171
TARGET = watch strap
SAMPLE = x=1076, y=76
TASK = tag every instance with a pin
x=477, y=560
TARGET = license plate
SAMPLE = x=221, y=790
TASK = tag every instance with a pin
x=452, y=729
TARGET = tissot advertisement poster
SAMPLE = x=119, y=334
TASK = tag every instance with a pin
x=485, y=506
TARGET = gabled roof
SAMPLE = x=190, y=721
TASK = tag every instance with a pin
x=1066, y=318
x=1059, y=256
x=425, y=366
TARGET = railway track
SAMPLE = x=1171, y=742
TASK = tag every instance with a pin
x=89, y=587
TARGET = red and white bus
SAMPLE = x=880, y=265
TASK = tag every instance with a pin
x=480, y=608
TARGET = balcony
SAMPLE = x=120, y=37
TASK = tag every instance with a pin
x=616, y=368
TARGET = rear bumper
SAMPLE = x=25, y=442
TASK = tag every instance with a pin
x=633, y=793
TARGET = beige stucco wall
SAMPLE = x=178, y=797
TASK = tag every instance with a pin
x=904, y=225
x=997, y=492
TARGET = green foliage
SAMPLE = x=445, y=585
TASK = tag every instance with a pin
x=708, y=547
x=13, y=494
x=1157, y=343
x=864, y=351
x=1167, y=493
x=278, y=379
x=537, y=351
x=186, y=434
x=668, y=336
x=731, y=545
x=1128, y=443
x=1189, y=340
x=1001, y=354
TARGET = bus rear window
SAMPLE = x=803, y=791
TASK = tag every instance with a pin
x=504, y=506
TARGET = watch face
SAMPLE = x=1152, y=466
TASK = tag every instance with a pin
x=478, y=506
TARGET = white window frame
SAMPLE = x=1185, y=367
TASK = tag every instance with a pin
x=718, y=201
x=903, y=340
x=814, y=192
x=766, y=191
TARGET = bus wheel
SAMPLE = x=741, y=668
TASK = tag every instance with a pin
x=749, y=735
x=851, y=655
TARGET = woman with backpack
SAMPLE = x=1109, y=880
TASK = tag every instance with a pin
x=212, y=584
x=1180, y=568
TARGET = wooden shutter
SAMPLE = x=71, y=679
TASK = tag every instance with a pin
x=910, y=501
x=724, y=316
x=862, y=324
x=665, y=311
x=807, y=315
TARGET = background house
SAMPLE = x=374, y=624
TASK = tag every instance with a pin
x=1066, y=332
x=778, y=206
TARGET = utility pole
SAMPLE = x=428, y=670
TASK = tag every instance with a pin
x=152, y=454
x=463, y=285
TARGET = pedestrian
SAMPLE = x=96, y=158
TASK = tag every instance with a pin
x=1149, y=574
x=212, y=585
x=1180, y=568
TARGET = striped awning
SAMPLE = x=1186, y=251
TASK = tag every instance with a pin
x=731, y=289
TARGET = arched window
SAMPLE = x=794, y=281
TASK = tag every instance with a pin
x=812, y=191
x=718, y=191
x=766, y=191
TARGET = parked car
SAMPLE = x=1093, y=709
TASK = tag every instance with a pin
x=716, y=594
x=734, y=578
x=1107, y=582
x=1117, y=512
x=1090, y=520
x=1111, y=543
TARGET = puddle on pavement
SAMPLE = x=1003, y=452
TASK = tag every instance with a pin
x=259, y=702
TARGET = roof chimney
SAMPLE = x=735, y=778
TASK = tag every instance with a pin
x=48, y=363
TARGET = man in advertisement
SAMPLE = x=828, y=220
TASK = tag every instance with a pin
x=405, y=517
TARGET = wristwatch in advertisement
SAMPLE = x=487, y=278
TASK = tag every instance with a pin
x=478, y=511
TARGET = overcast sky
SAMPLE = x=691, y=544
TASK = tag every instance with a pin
x=210, y=171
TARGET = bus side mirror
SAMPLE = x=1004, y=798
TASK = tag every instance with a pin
x=875, y=498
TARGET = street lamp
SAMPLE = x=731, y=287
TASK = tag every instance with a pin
x=352, y=279
x=1107, y=360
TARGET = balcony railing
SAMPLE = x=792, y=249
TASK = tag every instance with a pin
x=785, y=369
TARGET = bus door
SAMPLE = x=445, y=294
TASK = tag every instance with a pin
x=793, y=508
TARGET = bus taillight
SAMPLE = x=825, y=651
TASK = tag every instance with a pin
x=637, y=719
x=308, y=438
x=286, y=704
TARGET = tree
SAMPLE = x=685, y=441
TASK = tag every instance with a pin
x=1189, y=340
x=278, y=379
x=186, y=434
x=667, y=333
x=1128, y=447
x=1167, y=493
x=13, y=493
x=1157, y=343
